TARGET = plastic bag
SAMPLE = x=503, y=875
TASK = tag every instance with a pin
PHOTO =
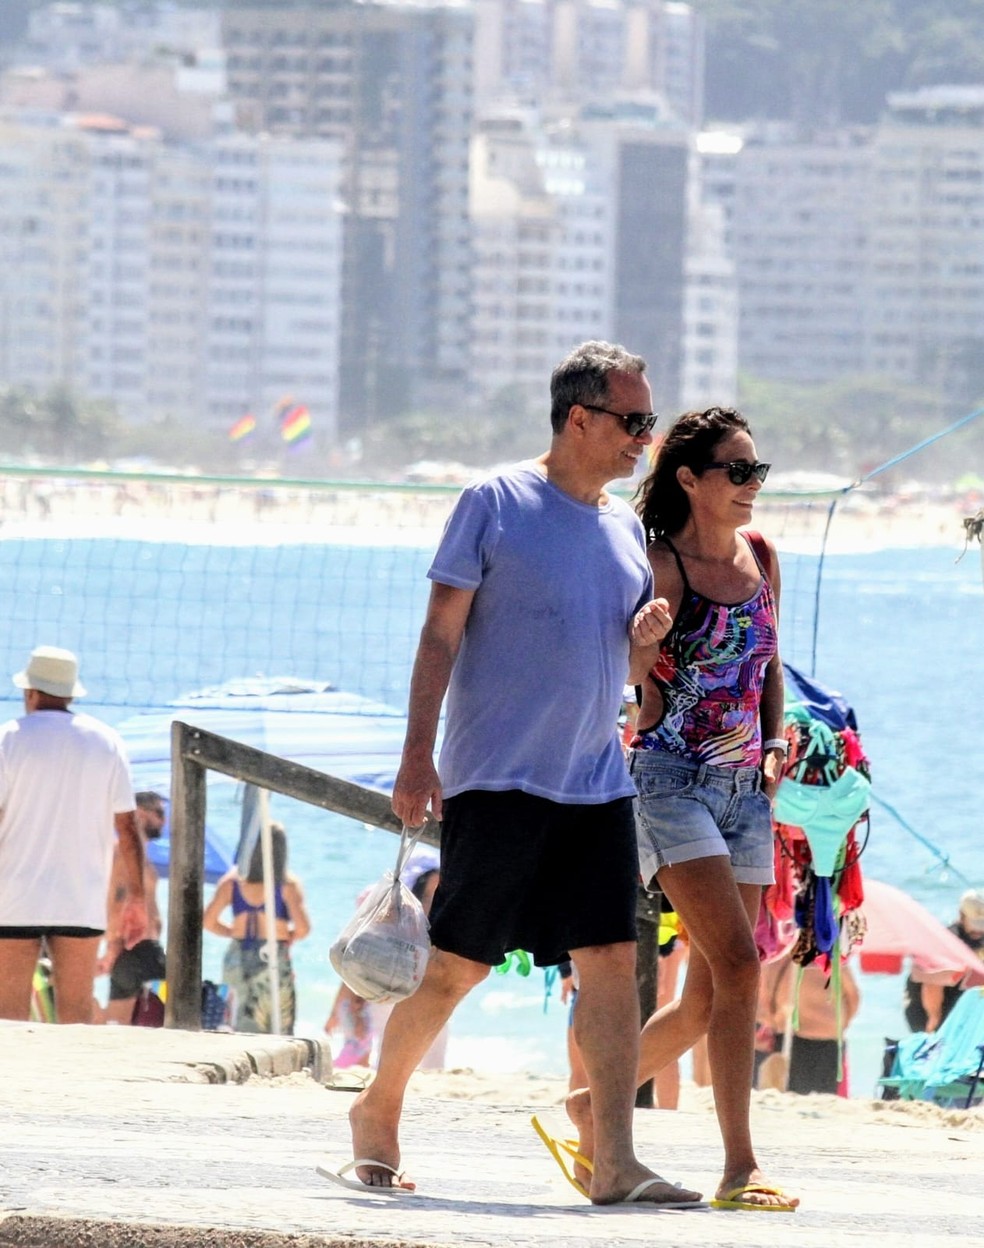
x=383, y=950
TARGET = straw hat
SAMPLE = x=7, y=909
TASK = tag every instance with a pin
x=972, y=910
x=53, y=671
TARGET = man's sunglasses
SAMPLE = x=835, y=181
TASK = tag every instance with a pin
x=740, y=471
x=635, y=423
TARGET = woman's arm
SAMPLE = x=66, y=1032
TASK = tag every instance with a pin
x=221, y=898
x=773, y=691
x=653, y=622
x=300, y=924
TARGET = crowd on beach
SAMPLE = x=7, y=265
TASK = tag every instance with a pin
x=551, y=599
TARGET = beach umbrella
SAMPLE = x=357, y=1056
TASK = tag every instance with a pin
x=305, y=721
x=219, y=851
x=899, y=928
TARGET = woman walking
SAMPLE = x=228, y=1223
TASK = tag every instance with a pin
x=706, y=760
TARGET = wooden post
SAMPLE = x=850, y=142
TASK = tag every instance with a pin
x=185, y=885
x=647, y=973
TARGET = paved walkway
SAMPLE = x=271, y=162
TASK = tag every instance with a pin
x=119, y=1138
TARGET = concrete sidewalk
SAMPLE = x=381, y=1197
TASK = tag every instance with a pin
x=120, y=1138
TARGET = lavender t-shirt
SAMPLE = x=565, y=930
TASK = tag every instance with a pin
x=536, y=688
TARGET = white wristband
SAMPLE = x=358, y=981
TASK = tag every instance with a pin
x=776, y=743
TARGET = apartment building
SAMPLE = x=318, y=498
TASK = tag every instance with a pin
x=542, y=228
x=925, y=296
x=800, y=233
x=184, y=282
x=574, y=52
x=392, y=83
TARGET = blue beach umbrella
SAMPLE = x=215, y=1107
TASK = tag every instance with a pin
x=305, y=721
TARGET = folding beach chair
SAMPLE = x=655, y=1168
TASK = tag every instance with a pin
x=946, y=1066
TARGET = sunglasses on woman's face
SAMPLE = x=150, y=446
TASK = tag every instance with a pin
x=740, y=470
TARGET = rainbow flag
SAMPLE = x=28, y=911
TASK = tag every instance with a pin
x=243, y=427
x=295, y=424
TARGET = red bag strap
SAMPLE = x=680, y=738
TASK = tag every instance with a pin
x=761, y=550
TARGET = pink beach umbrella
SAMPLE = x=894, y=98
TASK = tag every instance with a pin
x=899, y=928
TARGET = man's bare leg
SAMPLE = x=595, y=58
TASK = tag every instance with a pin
x=18, y=958
x=719, y=996
x=667, y=1035
x=73, y=969
x=410, y=1031
x=606, y=1026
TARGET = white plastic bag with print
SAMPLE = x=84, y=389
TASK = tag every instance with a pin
x=382, y=952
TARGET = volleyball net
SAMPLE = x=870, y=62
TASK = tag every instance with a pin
x=167, y=585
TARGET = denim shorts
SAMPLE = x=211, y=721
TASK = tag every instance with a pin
x=688, y=810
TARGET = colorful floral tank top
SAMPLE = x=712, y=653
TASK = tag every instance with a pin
x=710, y=671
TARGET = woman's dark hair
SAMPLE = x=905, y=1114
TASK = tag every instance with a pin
x=661, y=501
x=279, y=844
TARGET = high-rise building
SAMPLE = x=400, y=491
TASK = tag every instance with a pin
x=800, y=231
x=575, y=52
x=184, y=282
x=925, y=296
x=543, y=251
x=646, y=159
x=393, y=84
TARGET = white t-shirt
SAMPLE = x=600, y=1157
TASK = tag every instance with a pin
x=63, y=777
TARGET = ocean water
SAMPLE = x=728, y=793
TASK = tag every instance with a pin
x=900, y=634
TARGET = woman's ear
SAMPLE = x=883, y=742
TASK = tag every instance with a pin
x=686, y=477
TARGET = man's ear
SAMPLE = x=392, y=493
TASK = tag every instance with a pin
x=577, y=417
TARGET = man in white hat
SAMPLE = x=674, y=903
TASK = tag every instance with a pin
x=64, y=789
x=927, y=1005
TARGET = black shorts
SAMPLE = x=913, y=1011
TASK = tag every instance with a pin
x=37, y=933
x=812, y=1066
x=133, y=968
x=523, y=872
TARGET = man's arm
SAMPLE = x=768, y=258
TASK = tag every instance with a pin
x=130, y=850
x=417, y=785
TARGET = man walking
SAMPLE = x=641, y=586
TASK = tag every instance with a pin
x=539, y=584
x=64, y=788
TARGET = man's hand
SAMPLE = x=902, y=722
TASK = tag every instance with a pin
x=133, y=921
x=651, y=623
x=417, y=787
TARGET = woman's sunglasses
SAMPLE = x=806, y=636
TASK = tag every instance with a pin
x=740, y=471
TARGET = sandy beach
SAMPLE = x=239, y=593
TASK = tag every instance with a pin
x=122, y=1138
x=269, y=512
x=491, y=1088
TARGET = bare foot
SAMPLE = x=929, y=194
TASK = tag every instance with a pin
x=642, y=1187
x=376, y=1136
x=578, y=1106
x=754, y=1189
x=608, y=1187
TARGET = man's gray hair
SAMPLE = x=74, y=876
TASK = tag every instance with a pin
x=583, y=377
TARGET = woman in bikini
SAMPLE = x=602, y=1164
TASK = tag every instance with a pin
x=706, y=759
x=245, y=968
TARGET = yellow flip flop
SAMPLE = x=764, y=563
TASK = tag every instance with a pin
x=564, y=1152
x=732, y=1199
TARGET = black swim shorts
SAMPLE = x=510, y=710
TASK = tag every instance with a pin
x=523, y=872
x=37, y=933
x=133, y=968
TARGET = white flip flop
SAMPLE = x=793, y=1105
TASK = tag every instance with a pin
x=356, y=1185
